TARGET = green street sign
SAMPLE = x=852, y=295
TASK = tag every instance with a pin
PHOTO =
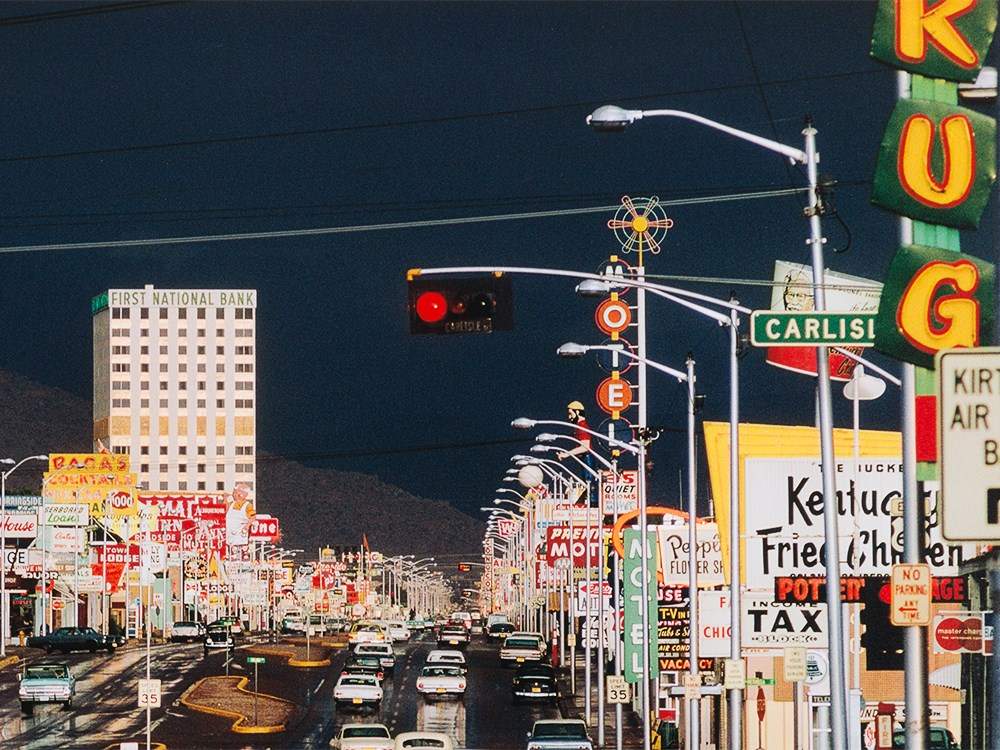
x=812, y=328
x=255, y=660
x=755, y=681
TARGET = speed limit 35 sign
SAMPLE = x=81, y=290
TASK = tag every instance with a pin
x=618, y=690
x=149, y=693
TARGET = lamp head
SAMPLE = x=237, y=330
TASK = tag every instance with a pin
x=571, y=350
x=6, y=460
x=546, y=437
x=594, y=288
x=612, y=119
x=541, y=448
x=523, y=423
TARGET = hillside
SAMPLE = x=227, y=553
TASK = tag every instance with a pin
x=316, y=506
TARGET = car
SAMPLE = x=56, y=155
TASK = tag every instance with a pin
x=46, y=683
x=398, y=630
x=234, y=625
x=381, y=650
x=559, y=734
x=334, y=624
x=440, y=680
x=461, y=618
x=453, y=635
x=370, y=665
x=186, y=631
x=446, y=657
x=416, y=626
x=477, y=626
x=367, y=632
x=357, y=691
x=74, y=639
x=529, y=634
x=293, y=622
x=437, y=740
x=495, y=617
x=535, y=682
x=498, y=631
x=363, y=737
x=941, y=739
x=521, y=649
x=218, y=637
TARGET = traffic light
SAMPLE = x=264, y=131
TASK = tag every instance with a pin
x=881, y=640
x=481, y=304
x=464, y=567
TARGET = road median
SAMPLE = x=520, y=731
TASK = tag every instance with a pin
x=296, y=655
x=228, y=697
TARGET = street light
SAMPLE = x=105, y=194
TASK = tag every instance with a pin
x=4, y=608
x=612, y=118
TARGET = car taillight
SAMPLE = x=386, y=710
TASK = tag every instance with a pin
x=461, y=685
x=343, y=673
x=420, y=684
x=380, y=675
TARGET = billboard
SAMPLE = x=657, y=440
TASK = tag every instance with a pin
x=674, y=545
x=781, y=503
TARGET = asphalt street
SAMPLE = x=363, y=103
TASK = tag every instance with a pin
x=105, y=712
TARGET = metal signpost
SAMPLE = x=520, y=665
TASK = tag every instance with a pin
x=256, y=661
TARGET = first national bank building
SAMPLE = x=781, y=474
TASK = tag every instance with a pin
x=175, y=383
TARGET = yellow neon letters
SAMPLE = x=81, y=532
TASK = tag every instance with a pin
x=916, y=24
x=931, y=323
x=914, y=166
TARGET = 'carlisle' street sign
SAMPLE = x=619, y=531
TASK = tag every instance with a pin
x=812, y=328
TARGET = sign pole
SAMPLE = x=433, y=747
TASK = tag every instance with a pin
x=914, y=636
x=735, y=696
x=256, y=666
x=694, y=705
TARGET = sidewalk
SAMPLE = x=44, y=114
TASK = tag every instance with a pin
x=572, y=707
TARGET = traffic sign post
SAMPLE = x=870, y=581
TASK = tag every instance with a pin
x=256, y=661
x=618, y=689
x=769, y=328
x=910, y=590
x=969, y=444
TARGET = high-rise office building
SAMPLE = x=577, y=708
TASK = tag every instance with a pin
x=175, y=385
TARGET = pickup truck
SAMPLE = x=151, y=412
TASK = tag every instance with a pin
x=46, y=683
x=74, y=639
x=559, y=734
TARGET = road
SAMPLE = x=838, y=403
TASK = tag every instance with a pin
x=105, y=712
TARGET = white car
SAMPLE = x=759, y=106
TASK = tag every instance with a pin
x=437, y=740
x=357, y=691
x=187, y=631
x=363, y=737
x=439, y=680
x=367, y=632
x=518, y=649
x=398, y=630
x=443, y=657
x=383, y=651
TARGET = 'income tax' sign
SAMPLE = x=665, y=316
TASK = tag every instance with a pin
x=969, y=440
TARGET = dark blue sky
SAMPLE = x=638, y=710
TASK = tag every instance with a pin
x=324, y=114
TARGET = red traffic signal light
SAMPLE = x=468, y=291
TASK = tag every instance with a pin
x=480, y=304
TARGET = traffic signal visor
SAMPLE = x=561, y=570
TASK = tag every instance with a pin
x=480, y=304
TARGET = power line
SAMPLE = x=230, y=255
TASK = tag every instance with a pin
x=420, y=121
x=427, y=223
x=91, y=10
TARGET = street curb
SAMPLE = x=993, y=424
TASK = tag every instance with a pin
x=292, y=661
x=154, y=746
x=240, y=718
x=302, y=663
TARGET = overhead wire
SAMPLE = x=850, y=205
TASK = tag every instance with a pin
x=419, y=224
x=89, y=10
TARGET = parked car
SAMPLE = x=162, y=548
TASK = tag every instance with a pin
x=439, y=681
x=498, y=631
x=363, y=737
x=218, y=637
x=357, y=691
x=435, y=740
x=453, y=635
x=74, y=639
x=46, y=683
x=446, y=657
x=187, y=632
x=941, y=739
x=559, y=734
x=535, y=682
x=383, y=651
x=518, y=649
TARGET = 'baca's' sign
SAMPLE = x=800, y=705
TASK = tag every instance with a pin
x=937, y=163
x=934, y=299
x=936, y=38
